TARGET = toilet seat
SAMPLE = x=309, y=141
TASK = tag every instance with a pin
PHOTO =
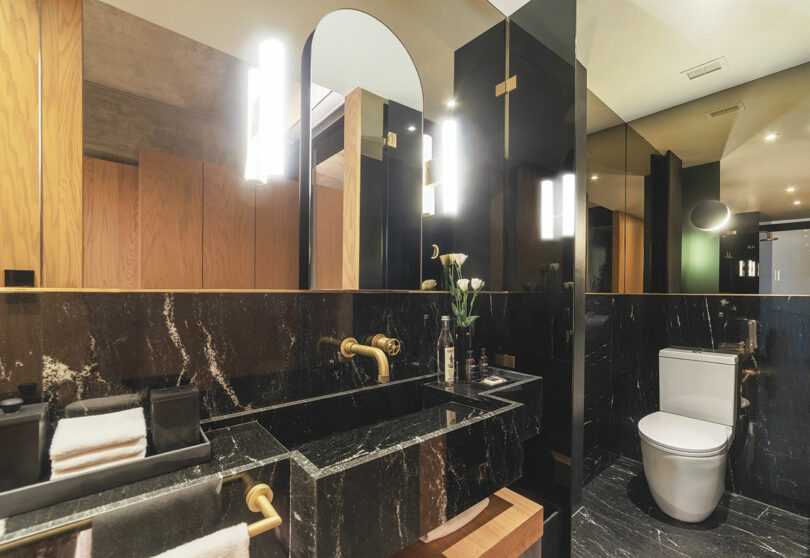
x=684, y=435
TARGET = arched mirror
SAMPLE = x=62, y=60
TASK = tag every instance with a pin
x=362, y=157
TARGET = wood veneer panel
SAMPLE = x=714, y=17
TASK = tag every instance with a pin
x=277, y=235
x=229, y=229
x=352, y=152
x=61, y=143
x=628, y=253
x=328, y=232
x=508, y=526
x=110, y=225
x=171, y=220
x=19, y=136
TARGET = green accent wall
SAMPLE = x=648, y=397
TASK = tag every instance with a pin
x=700, y=255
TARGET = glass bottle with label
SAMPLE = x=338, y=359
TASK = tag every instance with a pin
x=445, y=355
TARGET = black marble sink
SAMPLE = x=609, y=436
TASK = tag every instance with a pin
x=362, y=472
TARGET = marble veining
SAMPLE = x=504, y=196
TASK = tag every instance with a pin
x=619, y=517
x=770, y=457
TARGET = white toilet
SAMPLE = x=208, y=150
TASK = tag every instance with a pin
x=685, y=444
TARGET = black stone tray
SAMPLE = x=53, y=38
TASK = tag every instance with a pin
x=46, y=493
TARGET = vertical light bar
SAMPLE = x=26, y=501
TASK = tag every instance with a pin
x=568, y=204
x=450, y=187
x=428, y=192
x=546, y=210
x=265, y=112
x=271, y=68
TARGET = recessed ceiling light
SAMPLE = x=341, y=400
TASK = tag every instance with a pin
x=771, y=137
x=595, y=177
x=791, y=189
x=797, y=202
x=451, y=103
x=411, y=128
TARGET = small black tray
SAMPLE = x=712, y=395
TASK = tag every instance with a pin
x=46, y=493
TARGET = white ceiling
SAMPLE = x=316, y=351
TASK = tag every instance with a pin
x=431, y=30
x=635, y=50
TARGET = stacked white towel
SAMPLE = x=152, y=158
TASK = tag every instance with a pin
x=85, y=444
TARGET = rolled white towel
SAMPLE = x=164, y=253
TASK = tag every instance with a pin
x=75, y=436
x=233, y=542
x=96, y=457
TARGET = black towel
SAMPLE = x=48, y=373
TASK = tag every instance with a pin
x=102, y=405
x=158, y=524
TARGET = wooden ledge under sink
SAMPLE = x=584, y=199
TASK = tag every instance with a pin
x=508, y=526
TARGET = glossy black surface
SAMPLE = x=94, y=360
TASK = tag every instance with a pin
x=619, y=518
x=770, y=458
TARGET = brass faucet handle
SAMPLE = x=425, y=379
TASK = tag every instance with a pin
x=387, y=344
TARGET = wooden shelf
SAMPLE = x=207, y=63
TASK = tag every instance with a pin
x=508, y=526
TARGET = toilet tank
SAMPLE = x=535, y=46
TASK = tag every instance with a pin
x=699, y=384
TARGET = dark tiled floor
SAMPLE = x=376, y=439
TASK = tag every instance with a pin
x=618, y=517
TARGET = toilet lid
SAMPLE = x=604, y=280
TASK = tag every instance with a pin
x=683, y=434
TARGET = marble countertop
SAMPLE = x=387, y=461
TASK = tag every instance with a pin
x=234, y=450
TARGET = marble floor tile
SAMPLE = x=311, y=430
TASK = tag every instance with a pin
x=618, y=517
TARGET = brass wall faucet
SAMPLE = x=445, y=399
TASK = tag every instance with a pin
x=349, y=347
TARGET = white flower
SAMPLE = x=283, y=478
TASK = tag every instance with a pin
x=445, y=259
x=463, y=284
x=428, y=284
x=476, y=283
x=459, y=259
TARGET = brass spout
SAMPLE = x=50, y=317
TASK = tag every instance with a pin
x=350, y=347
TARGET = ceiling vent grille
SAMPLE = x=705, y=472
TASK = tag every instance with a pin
x=705, y=69
x=725, y=111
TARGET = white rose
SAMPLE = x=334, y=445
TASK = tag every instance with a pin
x=428, y=284
x=476, y=283
x=460, y=259
x=445, y=259
x=463, y=284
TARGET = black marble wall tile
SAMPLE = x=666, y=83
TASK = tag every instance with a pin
x=770, y=458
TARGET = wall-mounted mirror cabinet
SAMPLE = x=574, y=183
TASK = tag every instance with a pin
x=172, y=139
x=698, y=181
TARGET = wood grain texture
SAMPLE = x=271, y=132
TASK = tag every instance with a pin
x=628, y=253
x=352, y=151
x=508, y=526
x=19, y=136
x=61, y=143
x=170, y=217
x=110, y=225
x=277, y=235
x=229, y=229
x=328, y=231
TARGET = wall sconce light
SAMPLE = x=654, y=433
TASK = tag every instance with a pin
x=265, y=113
x=450, y=185
x=547, y=210
x=710, y=215
x=569, y=204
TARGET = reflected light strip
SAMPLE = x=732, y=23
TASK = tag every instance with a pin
x=265, y=149
x=450, y=187
x=547, y=210
x=428, y=192
x=569, y=204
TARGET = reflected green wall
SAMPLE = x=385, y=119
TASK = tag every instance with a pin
x=700, y=255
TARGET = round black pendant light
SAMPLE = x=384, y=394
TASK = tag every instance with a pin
x=710, y=215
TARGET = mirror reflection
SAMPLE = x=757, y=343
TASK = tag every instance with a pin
x=704, y=196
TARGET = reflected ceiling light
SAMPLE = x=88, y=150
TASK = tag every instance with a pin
x=547, y=210
x=791, y=188
x=594, y=177
x=450, y=186
x=569, y=204
x=508, y=7
x=265, y=111
x=797, y=202
x=451, y=103
x=710, y=215
x=771, y=137
x=411, y=128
